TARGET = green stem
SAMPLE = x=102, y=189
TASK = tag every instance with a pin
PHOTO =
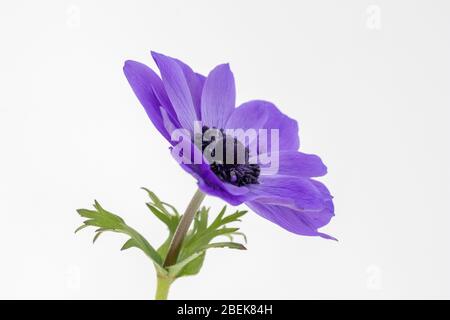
x=183, y=227
x=162, y=287
x=164, y=282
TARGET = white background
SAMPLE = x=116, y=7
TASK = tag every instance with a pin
x=368, y=82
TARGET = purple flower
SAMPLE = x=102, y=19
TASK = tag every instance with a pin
x=289, y=197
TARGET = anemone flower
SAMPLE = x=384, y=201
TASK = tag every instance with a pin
x=181, y=99
x=245, y=155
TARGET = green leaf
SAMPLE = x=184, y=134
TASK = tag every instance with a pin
x=87, y=213
x=242, y=235
x=99, y=223
x=144, y=245
x=201, y=235
x=129, y=244
x=106, y=214
x=233, y=217
x=164, y=248
x=97, y=234
x=175, y=269
x=202, y=218
x=198, y=240
x=158, y=208
x=156, y=201
x=217, y=222
x=161, y=216
x=81, y=228
x=107, y=221
x=193, y=267
x=175, y=211
x=231, y=245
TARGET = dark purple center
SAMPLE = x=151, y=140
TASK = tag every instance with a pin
x=236, y=168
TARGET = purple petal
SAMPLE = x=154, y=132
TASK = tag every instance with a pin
x=296, y=192
x=258, y=114
x=195, y=82
x=322, y=188
x=218, y=97
x=211, y=185
x=169, y=124
x=294, y=163
x=294, y=221
x=249, y=115
x=177, y=89
x=148, y=88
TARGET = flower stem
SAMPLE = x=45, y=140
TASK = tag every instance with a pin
x=162, y=287
x=183, y=227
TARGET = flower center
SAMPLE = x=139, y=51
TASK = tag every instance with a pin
x=228, y=158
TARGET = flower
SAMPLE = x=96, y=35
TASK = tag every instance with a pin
x=181, y=98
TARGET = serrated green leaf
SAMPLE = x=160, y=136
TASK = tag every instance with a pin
x=175, y=211
x=221, y=231
x=231, y=245
x=106, y=214
x=103, y=229
x=202, y=239
x=85, y=213
x=229, y=236
x=233, y=217
x=164, y=218
x=158, y=208
x=202, y=218
x=101, y=223
x=217, y=222
x=130, y=243
x=242, y=235
x=156, y=201
x=144, y=245
x=195, y=244
x=197, y=224
x=107, y=221
x=81, y=228
x=97, y=234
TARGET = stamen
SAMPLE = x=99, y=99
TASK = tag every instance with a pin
x=238, y=173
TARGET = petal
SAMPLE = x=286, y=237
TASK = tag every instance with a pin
x=211, y=185
x=249, y=115
x=258, y=114
x=292, y=163
x=322, y=188
x=177, y=89
x=218, y=97
x=169, y=124
x=195, y=82
x=148, y=88
x=322, y=218
x=294, y=192
x=294, y=221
